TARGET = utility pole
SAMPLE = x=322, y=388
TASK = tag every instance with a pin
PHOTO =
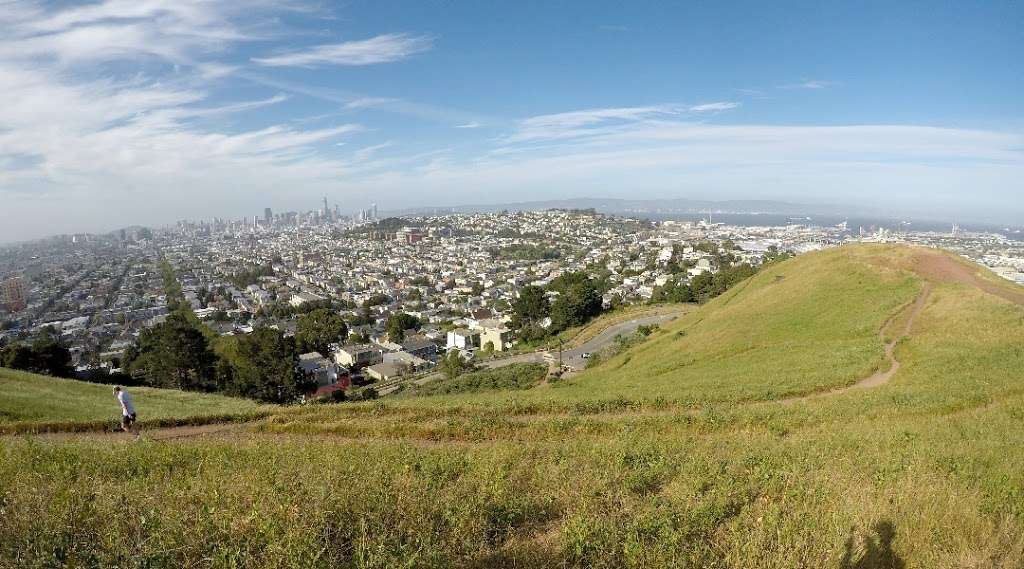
x=559, y=355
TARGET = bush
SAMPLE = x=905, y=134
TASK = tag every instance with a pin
x=511, y=377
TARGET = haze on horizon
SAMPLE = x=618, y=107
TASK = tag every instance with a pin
x=121, y=112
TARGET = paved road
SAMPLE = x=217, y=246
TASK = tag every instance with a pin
x=572, y=358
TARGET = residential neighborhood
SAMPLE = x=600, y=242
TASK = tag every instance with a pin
x=455, y=277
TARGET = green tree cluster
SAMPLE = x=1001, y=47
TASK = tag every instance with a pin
x=179, y=353
x=526, y=252
x=528, y=310
x=453, y=364
x=45, y=354
x=173, y=354
x=317, y=330
x=263, y=366
x=246, y=277
x=578, y=300
x=377, y=299
x=398, y=323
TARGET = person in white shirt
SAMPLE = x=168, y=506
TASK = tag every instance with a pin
x=128, y=415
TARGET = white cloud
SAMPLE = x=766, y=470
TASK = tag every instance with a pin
x=380, y=49
x=713, y=107
x=811, y=84
x=173, y=30
x=471, y=124
x=369, y=102
x=364, y=154
x=883, y=165
x=584, y=123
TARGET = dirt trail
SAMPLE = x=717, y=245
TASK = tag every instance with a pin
x=156, y=434
x=938, y=267
x=882, y=377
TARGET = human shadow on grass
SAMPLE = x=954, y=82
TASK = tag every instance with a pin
x=876, y=551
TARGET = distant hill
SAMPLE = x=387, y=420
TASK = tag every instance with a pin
x=642, y=206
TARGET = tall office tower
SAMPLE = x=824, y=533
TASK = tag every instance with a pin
x=255, y=222
x=374, y=211
x=268, y=216
x=14, y=294
x=327, y=210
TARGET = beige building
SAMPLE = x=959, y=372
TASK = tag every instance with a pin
x=357, y=356
x=498, y=337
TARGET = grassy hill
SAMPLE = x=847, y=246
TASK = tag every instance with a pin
x=29, y=401
x=726, y=439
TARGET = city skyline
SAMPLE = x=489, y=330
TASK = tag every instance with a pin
x=120, y=113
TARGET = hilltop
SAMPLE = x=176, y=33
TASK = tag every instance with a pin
x=761, y=430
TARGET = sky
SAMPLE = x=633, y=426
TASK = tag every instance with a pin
x=124, y=112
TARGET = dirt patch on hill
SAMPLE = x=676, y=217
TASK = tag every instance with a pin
x=939, y=267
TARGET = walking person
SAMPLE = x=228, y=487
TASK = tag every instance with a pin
x=128, y=415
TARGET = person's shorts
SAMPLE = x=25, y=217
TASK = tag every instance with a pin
x=127, y=421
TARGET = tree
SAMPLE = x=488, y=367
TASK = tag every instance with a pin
x=265, y=367
x=530, y=308
x=52, y=357
x=377, y=299
x=319, y=329
x=398, y=323
x=565, y=281
x=453, y=365
x=174, y=354
x=675, y=290
x=578, y=303
x=707, y=286
x=18, y=356
x=774, y=255
x=46, y=354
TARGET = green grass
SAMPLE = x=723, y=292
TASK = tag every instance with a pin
x=619, y=467
x=510, y=377
x=37, y=402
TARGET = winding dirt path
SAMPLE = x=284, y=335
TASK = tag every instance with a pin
x=883, y=377
x=880, y=377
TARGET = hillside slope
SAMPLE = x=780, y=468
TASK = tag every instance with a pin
x=29, y=398
x=731, y=445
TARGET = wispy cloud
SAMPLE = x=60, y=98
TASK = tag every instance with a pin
x=385, y=48
x=151, y=141
x=713, y=107
x=811, y=84
x=587, y=122
x=365, y=153
x=173, y=30
x=355, y=100
x=471, y=124
x=597, y=122
x=883, y=163
x=369, y=102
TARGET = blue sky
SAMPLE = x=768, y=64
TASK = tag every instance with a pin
x=148, y=111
